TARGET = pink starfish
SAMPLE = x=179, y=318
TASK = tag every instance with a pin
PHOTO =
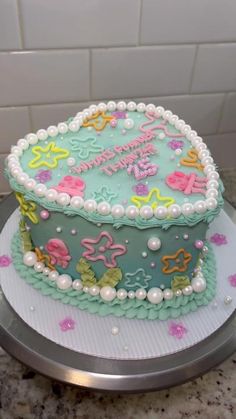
x=177, y=329
x=99, y=254
x=67, y=324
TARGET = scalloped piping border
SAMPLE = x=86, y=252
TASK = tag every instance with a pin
x=139, y=309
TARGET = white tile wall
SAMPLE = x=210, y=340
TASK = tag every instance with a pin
x=58, y=56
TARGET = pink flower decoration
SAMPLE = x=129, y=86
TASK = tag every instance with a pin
x=104, y=246
x=232, y=280
x=177, y=329
x=5, y=261
x=43, y=176
x=59, y=253
x=218, y=239
x=67, y=324
x=174, y=144
x=141, y=189
x=73, y=185
x=119, y=115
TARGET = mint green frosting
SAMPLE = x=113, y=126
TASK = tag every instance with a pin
x=135, y=308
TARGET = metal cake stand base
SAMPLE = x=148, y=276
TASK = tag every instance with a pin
x=71, y=367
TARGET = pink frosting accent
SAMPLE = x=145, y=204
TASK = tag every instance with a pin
x=148, y=169
x=161, y=126
x=188, y=184
x=67, y=324
x=59, y=253
x=177, y=330
x=73, y=185
x=97, y=253
x=5, y=261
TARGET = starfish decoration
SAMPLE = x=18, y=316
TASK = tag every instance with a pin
x=180, y=264
x=137, y=279
x=47, y=156
x=192, y=160
x=96, y=254
x=104, y=194
x=27, y=208
x=85, y=147
x=98, y=121
x=67, y=324
x=154, y=198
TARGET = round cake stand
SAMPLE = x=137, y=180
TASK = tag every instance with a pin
x=65, y=365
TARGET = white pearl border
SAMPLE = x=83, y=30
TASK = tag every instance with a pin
x=154, y=295
x=118, y=211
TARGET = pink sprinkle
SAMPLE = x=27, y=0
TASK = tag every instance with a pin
x=5, y=261
x=67, y=324
x=218, y=239
x=177, y=329
x=232, y=280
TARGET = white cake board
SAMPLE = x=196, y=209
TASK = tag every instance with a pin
x=137, y=339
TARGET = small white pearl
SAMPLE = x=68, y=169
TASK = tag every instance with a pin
x=30, y=184
x=23, y=144
x=211, y=203
x=131, y=106
x=160, y=212
x=86, y=289
x=46, y=271
x=187, y=290
x=111, y=106
x=159, y=111
x=200, y=207
x=64, y=281
x=39, y=266
x=104, y=208
x=90, y=205
x=228, y=300
x=74, y=126
x=102, y=107
x=42, y=134
x=29, y=258
x=58, y=229
x=178, y=151
x=63, y=199
x=115, y=330
x=141, y=294
x=201, y=147
x=174, y=210
x=93, y=108
x=198, y=284
x=131, y=212
x=77, y=202
x=16, y=171
x=207, y=160
x=131, y=294
x=178, y=293
x=87, y=113
x=154, y=243
x=161, y=136
x=144, y=254
x=117, y=211
x=187, y=209
x=32, y=138
x=17, y=151
x=52, y=131
x=77, y=285
x=51, y=195
x=94, y=290
x=179, y=124
x=204, y=154
x=40, y=189
x=121, y=294
x=128, y=123
x=108, y=293
x=141, y=107
x=167, y=115
x=62, y=128
x=146, y=212
x=168, y=294
x=53, y=275
x=71, y=162
x=155, y=295
x=150, y=108
x=121, y=106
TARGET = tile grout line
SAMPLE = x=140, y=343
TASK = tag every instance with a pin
x=193, y=70
x=90, y=73
x=30, y=118
x=140, y=22
x=21, y=26
x=222, y=108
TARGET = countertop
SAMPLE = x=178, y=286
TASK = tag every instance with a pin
x=28, y=395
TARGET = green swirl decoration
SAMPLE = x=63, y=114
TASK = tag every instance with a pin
x=140, y=309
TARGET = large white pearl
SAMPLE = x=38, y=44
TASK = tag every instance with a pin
x=173, y=119
x=77, y=202
x=146, y=212
x=168, y=294
x=203, y=154
x=196, y=140
x=64, y=281
x=104, y=208
x=209, y=168
x=23, y=144
x=150, y=108
x=141, y=107
x=117, y=211
x=77, y=285
x=187, y=209
x=167, y=115
x=15, y=171
x=155, y=295
x=154, y=243
x=29, y=258
x=212, y=193
x=87, y=113
x=62, y=128
x=93, y=108
x=63, y=199
x=90, y=205
x=200, y=207
x=17, y=151
x=212, y=184
x=141, y=294
x=30, y=184
x=121, y=106
x=131, y=212
x=42, y=134
x=51, y=195
x=161, y=212
x=201, y=147
x=131, y=106
x=198, y=284
x=185, y=129
x=206, y=160
x=128, y=123
x=94, y=290
x=52, y=131
x=53, y=275
x=121, y=294
x=179, y=124
x=40, y=189
x=71, y=161
x=187, y=290
x=174, y=210
x=74, y=126
x=102, y=107
x=211, y=203
x=213, y=176
x=191, y=135
x=111, y=106
x=159, y=111
x=22, y=178
x=39, y=266
x=32, y=138
x=108, y=293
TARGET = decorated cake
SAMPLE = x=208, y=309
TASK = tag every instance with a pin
x=115, y=204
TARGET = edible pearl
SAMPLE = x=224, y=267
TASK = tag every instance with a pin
x=62, y=128
x=90, y=205
x=93, y=108
x=17, y=151
x=178, y=151
x=23, y=144
x=205, y=250
x=16, y=171
x=53, y=275
x=159, y=111
x=63, y=199
x=44, y=214
x=206, y=160
x=115, y=330
x=161, y=136
x=102, y=107
x=111, y=106
x=208, y=169
x=200, y=207
x=173, y=119
x=185, y=236
x=29, y=258
x=64, y=281
x=108, y=293
x=197, y=140
x=70, y=161
x=22, y=178
x=179, y=124
x=117, y=211
x=198, y=244
x=140, y=294
x=198, y=284
x=94, y=290
x=131, y=106
x=113, y=123
x=121, y=294
x=73, y=232
x=211, y=203
x=187, y=209
x=178, y=293
x=131, y=294
x=150, y=108
x=203, y=154
x=40, y=189
x=51, y=195
x=42, y=134
x=146, y=212
x=191, y=135
x=155, y=295
x=228, y=300
x=104, y=208
x=154, y=243
x=141, y=107
x=58, y=229
x=168, y=294
x=212, y=184
x=128, y=123
x=86, y=289
x=46, y=271
x=174, y=210
x=131, y=212
x=185, y=129
x=52, y=131
x=212, y=193
x=213, y=176
x=144, y=254
x=39, y=266
x=160, y=212
x=32, y=138
x=74, y=126
x=187, y=290
x=77, y=285
x=77, y=202
x=201, y=147
x=121, y=106
x=167, y=114
x=30, y=184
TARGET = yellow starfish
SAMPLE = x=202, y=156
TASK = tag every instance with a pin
x=27, y=208
x=95, y=122
x=47, y=156
x=180, y=265
x=139, y=201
